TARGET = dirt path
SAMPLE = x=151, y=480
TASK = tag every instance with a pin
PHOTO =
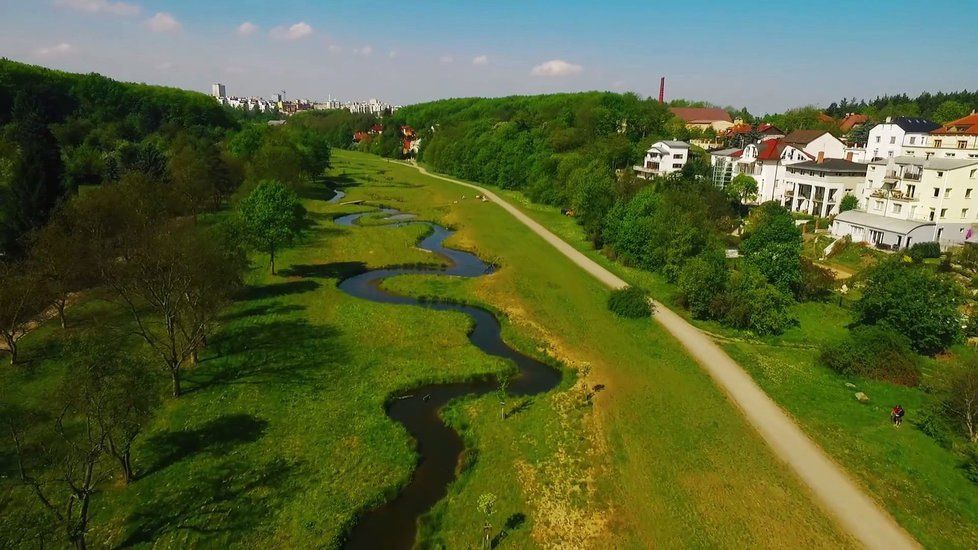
x=830, y=484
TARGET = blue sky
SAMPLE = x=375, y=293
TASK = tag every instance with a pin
x=763, y=55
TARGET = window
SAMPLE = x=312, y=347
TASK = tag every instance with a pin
x=677, y=156
x=972, y=176
x=911, y=190
x=877, y=139
x=943, y=212
x=940, y=175
x=897, y=207
x=947, y=193
x=937, y=143
x=892, y=140
x=890, y=154
x=677, y=165
x=931, y=216
x=964, y=212
x=962, y=144
x=937, y=192
x=913, y=140
x=878, y=206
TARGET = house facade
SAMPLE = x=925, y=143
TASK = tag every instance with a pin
x=663, y=158
x=940, y=194
x=955, y=140
x=816, y=187
x=817, y=143
x=766, y=161
x=888, y=139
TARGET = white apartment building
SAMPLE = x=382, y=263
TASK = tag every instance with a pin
x=912, y=199
x=888, y=139
x=816, y=187
x=765, y=161
x=218, y=90
x=955, y=140
x=663, y=158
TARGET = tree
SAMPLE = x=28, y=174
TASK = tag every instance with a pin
x=487, y=505
x=950, y=110
x=915, y=302
x=115, y=387
x=961, y=405
x=743, y=187
x=22, y=300
x=592, y=199
x=848, y=202
x=752, y=303
x=174, y=284
x=62, y=261
x=876, y=352
x=701, y=280
x=772, y=243
x=272, y=217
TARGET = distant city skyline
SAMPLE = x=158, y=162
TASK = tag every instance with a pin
x=767, y=58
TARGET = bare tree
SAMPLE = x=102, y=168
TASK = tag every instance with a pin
x=962, y=402
x=61, y=259
x=22, y=301
x=174, y=285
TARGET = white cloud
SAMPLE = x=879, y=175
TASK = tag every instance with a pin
x=55, y=51
x=364, y=51
x=556, y=67
x=480, y=60
x=446, y=59
x=99, y=6
x=163, y=22
x=247, y=28
x=294, y=32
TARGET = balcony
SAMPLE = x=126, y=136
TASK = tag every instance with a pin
x=894, y=175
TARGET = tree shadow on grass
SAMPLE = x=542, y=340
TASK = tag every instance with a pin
x=335, y=270
x=275, y=290
x=513, y=523
x=271, y=353
x=231, y=498
x=216, y=437
x=262, y=310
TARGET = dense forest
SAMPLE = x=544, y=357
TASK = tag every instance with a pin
x=941, y=107
x=60, y=132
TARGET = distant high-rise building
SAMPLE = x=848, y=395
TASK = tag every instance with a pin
x=218, y=91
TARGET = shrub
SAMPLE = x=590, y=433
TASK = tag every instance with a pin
x=961, y=405
x=752, y=303
x=701, y=280
x=924, y=250
x=631, y=302
x=848, y=202
x=816, y=282
x=873, y=352
x=913, y=301
x=970, y=463
x=967, y=256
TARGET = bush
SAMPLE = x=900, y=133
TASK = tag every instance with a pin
x=701, y=280
x=752, y=303
x=631, y=302
x=922, y=251
x=913, y=301
x=970, y=463
x=873, y=352
x=816, y=282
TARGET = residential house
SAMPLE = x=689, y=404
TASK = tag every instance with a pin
x=955, y=140
x=702, y=118
x=817, y=143
x=765, y=162
x=913, y=199
x=663, y=158
x=852, y=121
x=817, y=186
x=888, y=139
x=737, y=134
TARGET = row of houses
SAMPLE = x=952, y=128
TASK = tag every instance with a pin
x=914, y=180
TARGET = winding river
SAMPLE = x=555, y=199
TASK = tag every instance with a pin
x=394, y=524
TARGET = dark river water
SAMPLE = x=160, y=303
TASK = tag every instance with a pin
x=394, y=524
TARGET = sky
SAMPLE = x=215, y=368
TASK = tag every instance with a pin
x=763, y=56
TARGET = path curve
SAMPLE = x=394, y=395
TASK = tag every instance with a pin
x=837, y=493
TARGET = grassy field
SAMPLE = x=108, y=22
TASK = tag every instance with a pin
x=916, y=479
x=282, y=437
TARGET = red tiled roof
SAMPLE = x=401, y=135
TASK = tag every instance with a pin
x=803, y=137
x=853, y=120
x=770, y=149
x=377, y=128
x=701, y=114
x=822, y=117
x=967, y=125
x=360, y=136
